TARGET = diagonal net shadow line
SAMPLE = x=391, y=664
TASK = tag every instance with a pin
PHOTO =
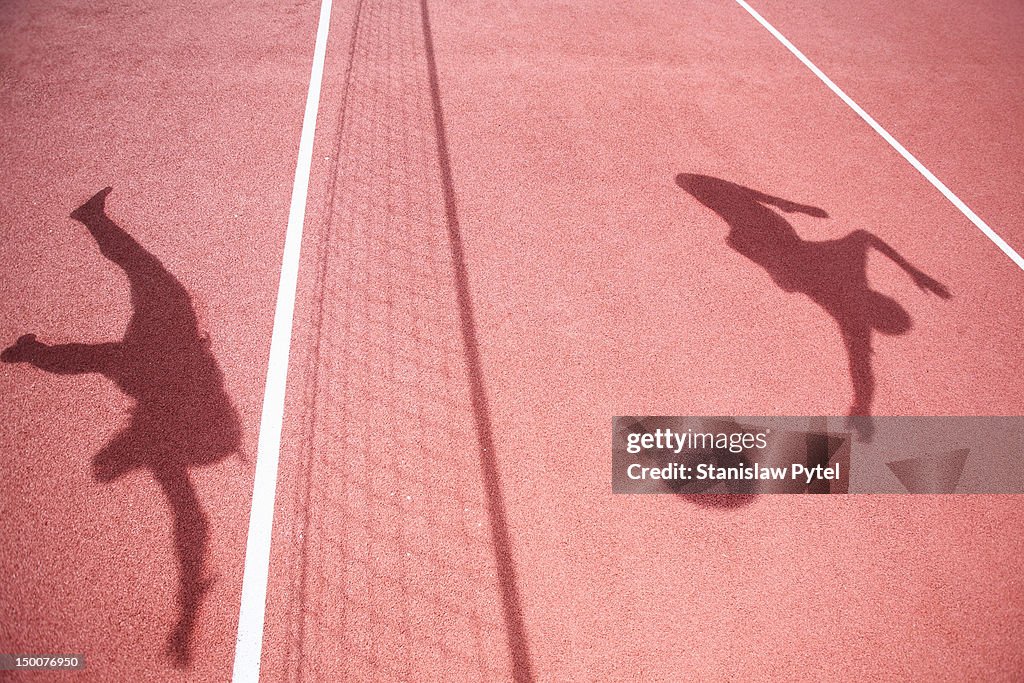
x=314, y=417
x=495, y=502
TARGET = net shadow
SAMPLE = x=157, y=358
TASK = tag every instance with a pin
x=405, y=562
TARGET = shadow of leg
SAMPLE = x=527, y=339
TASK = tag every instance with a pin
x=858, y=349
x=191, y=540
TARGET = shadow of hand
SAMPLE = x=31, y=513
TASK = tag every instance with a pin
x=793, y=207
x=21, y=351
x=930, y=284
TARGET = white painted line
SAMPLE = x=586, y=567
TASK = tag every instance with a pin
x=249, y=642
x=929, y=176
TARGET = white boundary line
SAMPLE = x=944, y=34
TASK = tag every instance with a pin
x=929, y=176
x=251, y=614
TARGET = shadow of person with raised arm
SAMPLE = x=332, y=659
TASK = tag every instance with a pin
x=833, y=273
x=182, y=416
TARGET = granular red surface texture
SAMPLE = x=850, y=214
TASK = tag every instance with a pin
x=500, y=254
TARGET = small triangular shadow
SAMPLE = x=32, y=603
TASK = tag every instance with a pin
x=936, y=474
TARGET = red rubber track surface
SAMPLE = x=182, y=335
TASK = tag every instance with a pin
x=192, y=113
x=497, y=259
x=942, y=77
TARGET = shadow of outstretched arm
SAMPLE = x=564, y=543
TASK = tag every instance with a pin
x=785, y=204
x=925, y=282
x=63, y=359
x=716, y=193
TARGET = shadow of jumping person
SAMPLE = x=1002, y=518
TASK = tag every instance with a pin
x=182, y=416
x=833, y=273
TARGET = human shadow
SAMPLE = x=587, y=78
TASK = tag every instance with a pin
x=182, y=416
x=833, y=273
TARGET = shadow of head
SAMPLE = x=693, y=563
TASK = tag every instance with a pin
x=719, y=501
